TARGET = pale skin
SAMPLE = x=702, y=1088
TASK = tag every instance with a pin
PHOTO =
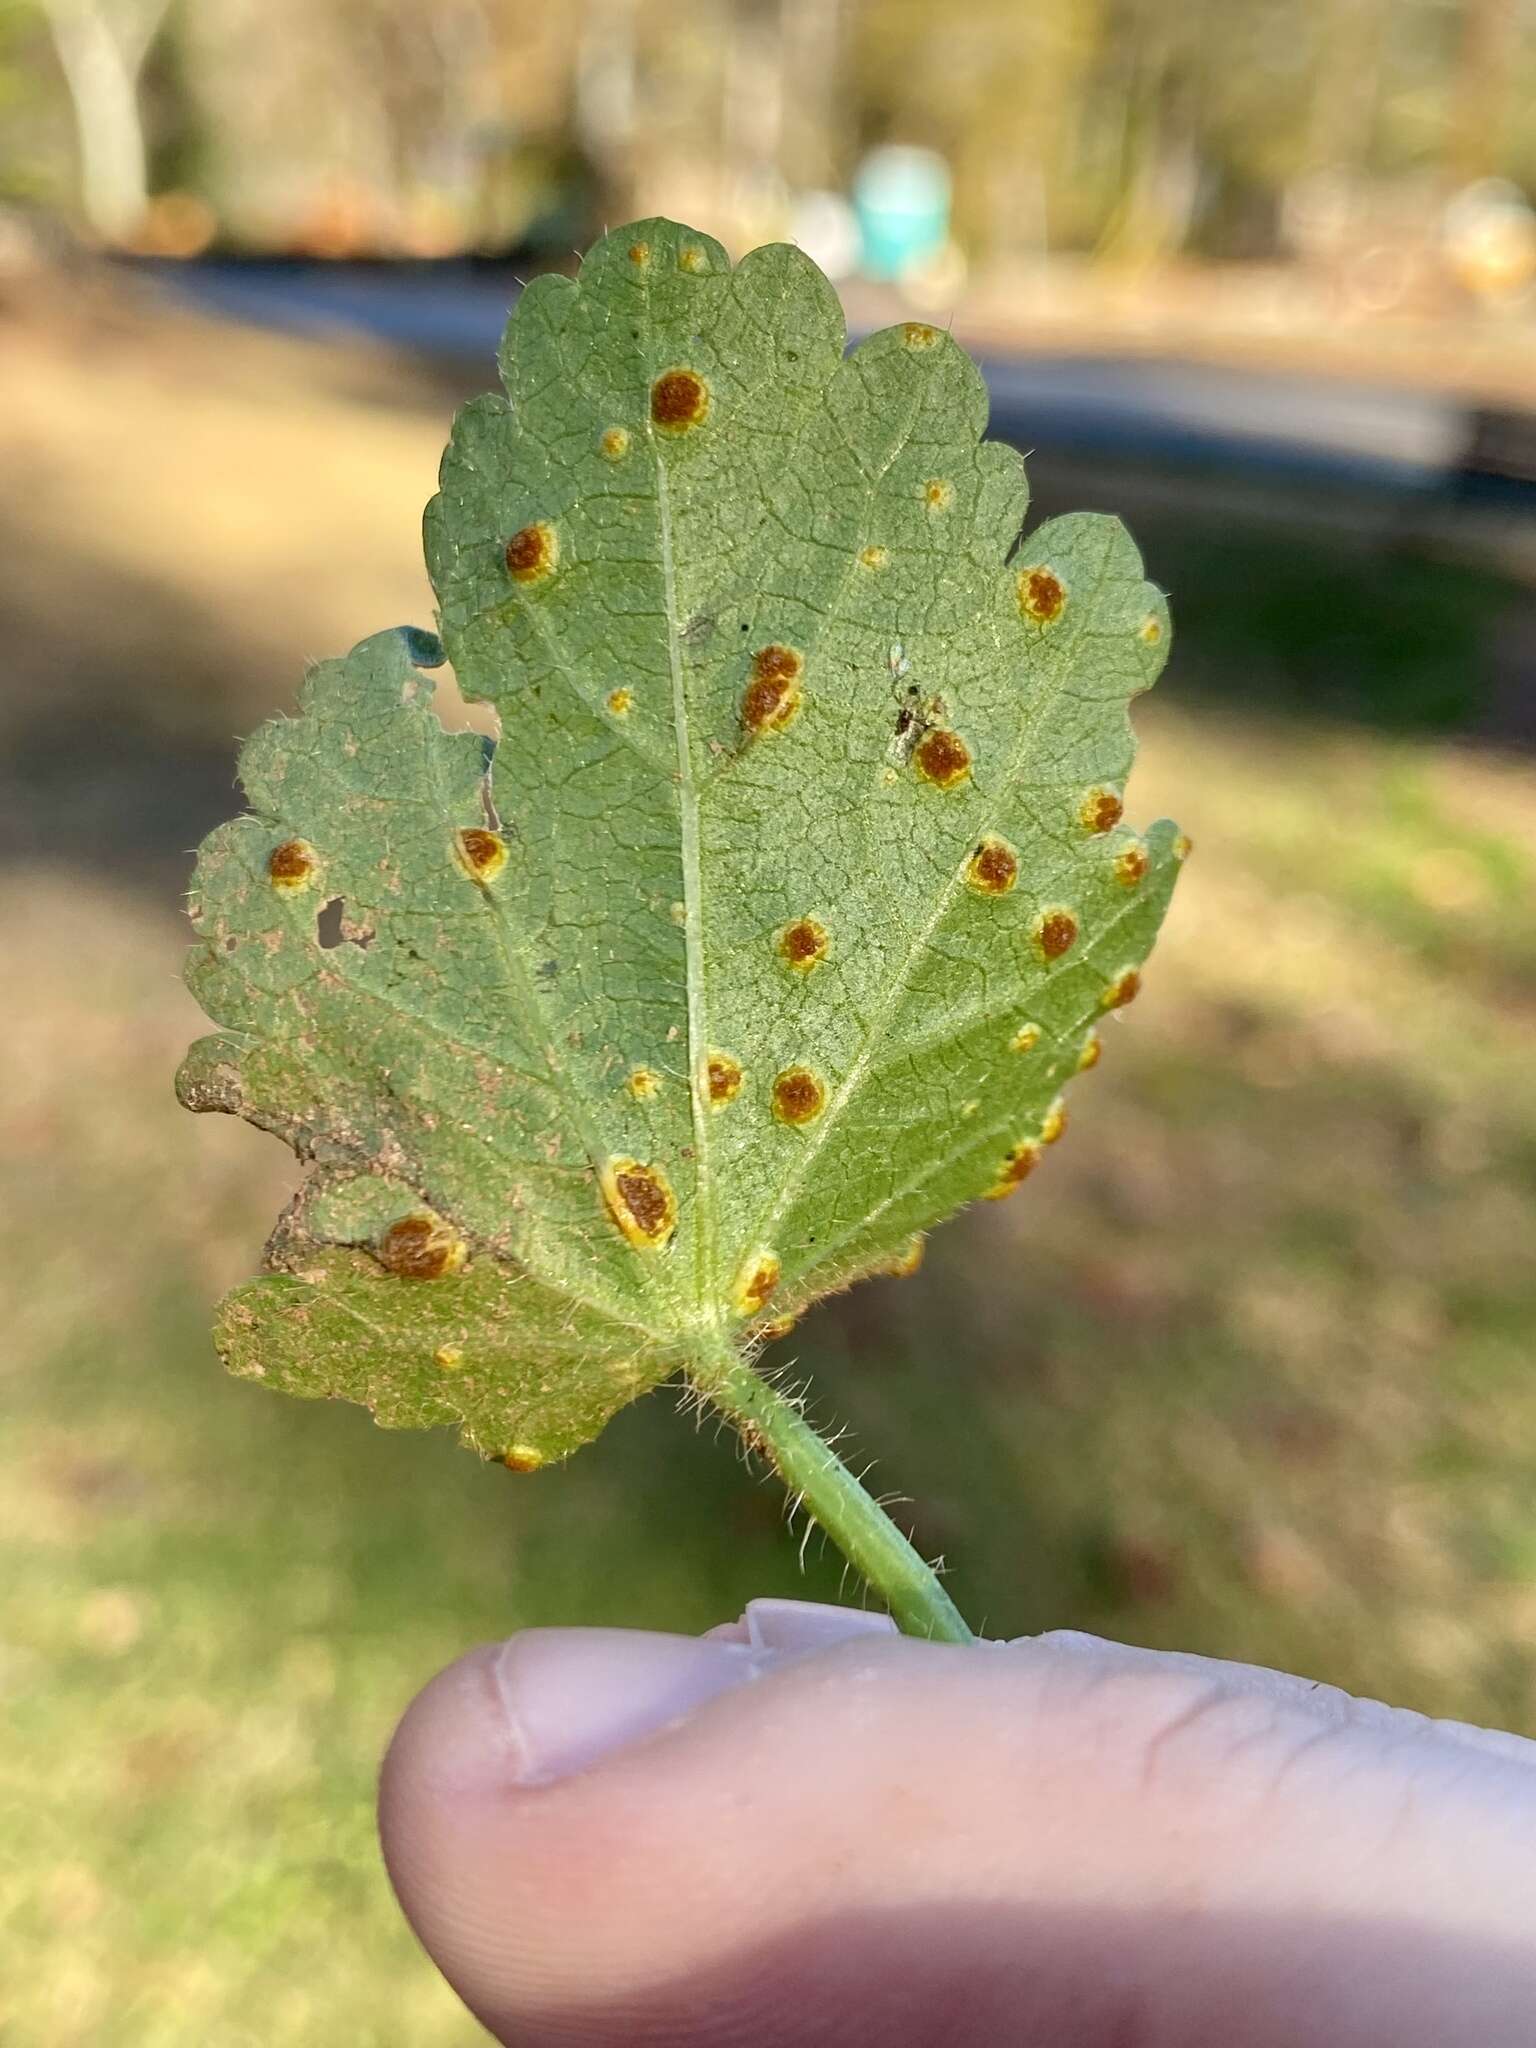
x=804, y=1829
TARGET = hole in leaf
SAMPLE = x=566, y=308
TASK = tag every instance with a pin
x=334, y=928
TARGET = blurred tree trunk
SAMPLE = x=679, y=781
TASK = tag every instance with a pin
x=1485, y=73
x=604, y=100
x=812, y=37
x=1347, y=85
x=101, y=54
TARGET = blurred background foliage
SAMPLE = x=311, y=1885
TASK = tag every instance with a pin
x=1247, y=1370
x=1232, y=129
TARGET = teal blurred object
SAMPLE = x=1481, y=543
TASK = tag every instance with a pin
x=901, y=199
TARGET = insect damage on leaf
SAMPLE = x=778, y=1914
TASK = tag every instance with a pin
x=797, y=756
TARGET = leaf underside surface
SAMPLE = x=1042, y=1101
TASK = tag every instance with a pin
x=792, y=894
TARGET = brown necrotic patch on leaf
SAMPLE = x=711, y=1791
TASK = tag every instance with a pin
x=1131, y=865
x=1100, y=810
x=679, y=401
x=754, y=1284
x=421, y=1247
x=1016, y=1168
x=722, y=1079
x=799, y=1096
x=640, y=1200
x=482, y=854
x=532, y=552
x=772, y=697
x=993, y=867
x=942, y=758
x=1042, y=595
x=1055, y=932
x=1122, y=990
x=803, y=944
x=292, y=866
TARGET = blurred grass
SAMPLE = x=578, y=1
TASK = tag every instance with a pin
x=1247, y=1370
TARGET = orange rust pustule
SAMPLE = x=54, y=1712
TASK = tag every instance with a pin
x=532, y=552
x=523, y=1458
x=1055, y=933
x=799, y=1096
x=1015, y=1170
x=679, y=400
x=1122, y=990
x=804, y=944
x=1042, y=596
x=993, y=868
x=641, y=1202
x=420, y=1247
x=722, y=1079
x=942, y=758
x=772, y=696
x=482, y=854
x=1100, y=811
x=909, y=1258
x=755, y=1284
x=1092, y=1052
x=1131, y=865
x=645, y=1200
x=291, y=865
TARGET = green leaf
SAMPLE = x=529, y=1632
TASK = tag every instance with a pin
x=789, y=903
